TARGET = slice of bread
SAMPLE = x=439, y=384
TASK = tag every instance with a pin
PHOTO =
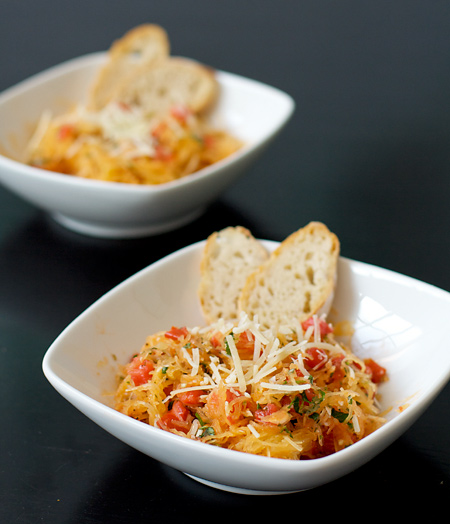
x=175, y=81
x=139, y=48
x=297, y=281
x=229, y=256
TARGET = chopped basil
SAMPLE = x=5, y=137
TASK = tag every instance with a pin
x=207, y=431
x=197, y=416
x=296, y=404
x=339, y=415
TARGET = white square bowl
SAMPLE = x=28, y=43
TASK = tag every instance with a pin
x=400, y=322
x=250, y=110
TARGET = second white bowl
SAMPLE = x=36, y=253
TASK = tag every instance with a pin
x=250, y=110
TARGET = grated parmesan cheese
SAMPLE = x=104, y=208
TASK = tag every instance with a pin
x=237, y=363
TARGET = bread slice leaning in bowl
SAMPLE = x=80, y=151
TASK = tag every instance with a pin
x=172, y=82
x=139, y=48
x=229, y=257
x=296, y=282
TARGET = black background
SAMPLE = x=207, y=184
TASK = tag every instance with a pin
x=366, y=152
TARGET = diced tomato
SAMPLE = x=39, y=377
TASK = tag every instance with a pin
x=299, y=373
x=208, y=140
x=123, y=106
x=324, y=327
x=163, y=153
x=231, y=394
x=377, y=372
x=159, y=129
x=269, y=409
x=175, y=333
x=178, y=417
x=65, y=131
x=315, y=358
x=181, y=113
x=217, y=339
x=309, y=394
x=327, y=446
x=140, y=370
x=237, y=404
x=245, y=345
x=337, y=360
x=168, y=390
x=192, y=398
x=338, y=438
x=339, y=372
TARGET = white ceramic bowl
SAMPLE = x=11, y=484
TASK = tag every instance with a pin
x=248, y=109
x=397, y=320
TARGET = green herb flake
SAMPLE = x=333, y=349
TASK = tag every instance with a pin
x=339, y=415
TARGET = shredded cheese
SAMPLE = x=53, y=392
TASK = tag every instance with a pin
x=237, y=363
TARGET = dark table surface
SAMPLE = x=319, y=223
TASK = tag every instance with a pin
x=367, y=152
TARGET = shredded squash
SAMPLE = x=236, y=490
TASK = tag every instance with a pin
x=121, y=143
x=296, y=394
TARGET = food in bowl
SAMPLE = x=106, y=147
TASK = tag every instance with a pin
x=145, y=120
x=299, y=395
x=291, y=391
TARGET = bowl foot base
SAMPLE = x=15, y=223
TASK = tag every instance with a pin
x=241, y=491
x=111, y=231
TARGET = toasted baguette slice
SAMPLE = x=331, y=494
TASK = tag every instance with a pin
x=175, y=81
x=296, y=282
x=229, y=256
x=139, y=48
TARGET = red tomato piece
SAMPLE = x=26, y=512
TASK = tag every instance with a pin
x=238, y=405
x=163, y=153
x=245, y=345
x=327, y=446
x=339, y=372
x=181, y=113
x=178, y=417
x=65, y=131
x=209, y=140
x=176, y=333
x=309, y=393
x=265, y=411
x=231, y=395
x=192, y=398
x=140, y=370
x=158, y=131
x=324, y=327
x=124, y=106
x=315, y=358
x=217, y=339
x=377, y=372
